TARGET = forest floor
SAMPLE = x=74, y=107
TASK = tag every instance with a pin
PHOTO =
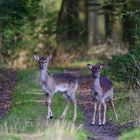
x=7, y=82
x=110, y=131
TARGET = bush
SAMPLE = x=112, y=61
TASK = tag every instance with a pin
x=133, y=135
x=53, y=131
x=127, y=67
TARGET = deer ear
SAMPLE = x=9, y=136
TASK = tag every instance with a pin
x=89, y=66
x=102, y=66
x=50, y=57
x=36, y=57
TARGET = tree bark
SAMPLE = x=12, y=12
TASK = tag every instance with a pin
x=116, y=33
x=107, y=26
x=68, y=19
x=92, y=22
x=1, y=35
x=92, y=28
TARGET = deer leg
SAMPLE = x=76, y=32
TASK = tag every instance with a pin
x=73, y=98
x=50, y=114
x=46, y=101
x=94, y=113
x=75, y=109
x=67, y=106
x=104, y=114
x=99, y=110
x=112, y=103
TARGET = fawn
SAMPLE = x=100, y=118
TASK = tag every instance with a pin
x=65, y=83
x=102, y=92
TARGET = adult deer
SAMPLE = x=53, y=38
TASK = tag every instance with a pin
x=102, y=92
x=65, y=83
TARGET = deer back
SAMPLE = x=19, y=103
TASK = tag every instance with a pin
x=65, y=82
x=105, y=83
x=60, y=82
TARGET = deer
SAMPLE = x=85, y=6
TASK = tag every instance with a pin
x=52, y=83
x=102, y=92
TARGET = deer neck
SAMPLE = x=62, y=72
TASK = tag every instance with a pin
x=97, y=86
x=44, y=75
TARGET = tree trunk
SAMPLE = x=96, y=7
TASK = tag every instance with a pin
x=92, y=22
x=67, y=25
x=92, y=28
x=107, y=26
x=1, y=39
x=1, y=35
x=116, y=33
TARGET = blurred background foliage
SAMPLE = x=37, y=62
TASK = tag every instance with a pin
x=75, y=32
x=72, y=30
x=27, y=27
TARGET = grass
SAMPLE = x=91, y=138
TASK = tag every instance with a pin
x=133, y=135
x=123, y=108
x=27, y=117
x=55, y=131
x=28, y=112
x=83, y=64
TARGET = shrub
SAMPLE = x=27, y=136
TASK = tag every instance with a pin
x=133, y=135
x=52, y=131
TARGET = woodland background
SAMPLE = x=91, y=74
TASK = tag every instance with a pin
x=75, y=32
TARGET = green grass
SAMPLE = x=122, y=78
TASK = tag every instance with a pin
x=133, y=135
x=52, y=131
x=123, y=108
x=28, y=112
x=27, y=116
x=83, y=64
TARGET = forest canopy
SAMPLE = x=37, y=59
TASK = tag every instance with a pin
x=67, y=28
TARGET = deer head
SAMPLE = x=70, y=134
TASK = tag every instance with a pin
x=96, y=69
x=43, y=61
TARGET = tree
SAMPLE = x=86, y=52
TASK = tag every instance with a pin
x=68, y=20
x=113, y=23
x=93, y=6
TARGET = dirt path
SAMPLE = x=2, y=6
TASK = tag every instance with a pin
x=7, y=82
x=107, y=132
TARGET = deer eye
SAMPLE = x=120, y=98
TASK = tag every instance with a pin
x=95, y=93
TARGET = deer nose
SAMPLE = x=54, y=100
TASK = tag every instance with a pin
x=41, y=66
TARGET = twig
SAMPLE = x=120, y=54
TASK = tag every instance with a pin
x=122, y=98
x=138, y=82
x=130, y=121
x=135, y=62
x=6, y=78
